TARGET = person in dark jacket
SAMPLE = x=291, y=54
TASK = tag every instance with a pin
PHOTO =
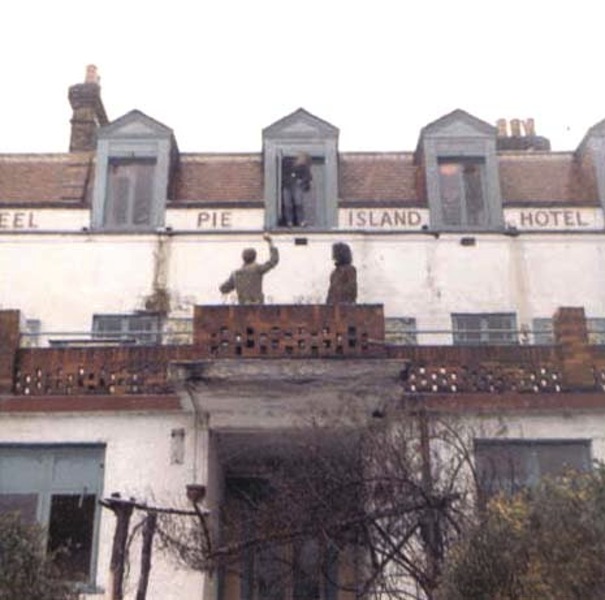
x=296, y=182
x=343, y=280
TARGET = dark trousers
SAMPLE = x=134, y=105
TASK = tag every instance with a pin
x=293, y=198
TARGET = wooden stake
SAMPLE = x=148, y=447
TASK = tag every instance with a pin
x=146, y=550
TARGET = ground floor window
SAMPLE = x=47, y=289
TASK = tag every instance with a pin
x=57, y=486
x=509, y=465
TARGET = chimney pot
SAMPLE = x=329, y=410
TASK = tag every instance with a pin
x=515, y=128
x=502, y=127
x=530, y=127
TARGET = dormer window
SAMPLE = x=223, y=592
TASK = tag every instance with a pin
x=300, y=160
x=135, y=158
x=591, y=159
x=458, y=155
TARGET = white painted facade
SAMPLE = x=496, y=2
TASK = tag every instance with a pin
x=137, y=464
x=139, y=454
x=60, y=269
x=62, y=277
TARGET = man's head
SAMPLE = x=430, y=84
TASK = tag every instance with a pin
x=341, y=254
x=302, y=158
x=249, y=255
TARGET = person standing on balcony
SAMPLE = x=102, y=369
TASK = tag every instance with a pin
x=247, y=281
x=343, y=280
x=295, y=185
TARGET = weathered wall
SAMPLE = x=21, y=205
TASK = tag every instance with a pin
x=64, y=279
x=137, y=464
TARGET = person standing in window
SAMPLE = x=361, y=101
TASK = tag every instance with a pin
x=247, y=281
x=295, y=185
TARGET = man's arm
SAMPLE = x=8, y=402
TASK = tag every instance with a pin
x=228, y=286
x=273, y=255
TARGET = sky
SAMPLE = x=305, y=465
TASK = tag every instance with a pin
x=218, y=72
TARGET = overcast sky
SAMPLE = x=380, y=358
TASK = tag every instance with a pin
x=218, y=71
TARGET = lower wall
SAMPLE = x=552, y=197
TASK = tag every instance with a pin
x=139, y=463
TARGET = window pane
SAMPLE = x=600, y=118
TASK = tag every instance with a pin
x=65, y=480
x=307, y=571
x=120, y=191
x=473, y=189
x=596, y=331
x=461, y=189
x=138, y=324
x=502, y=466
x=484, y=328
x=543, y=331
x=129, y=328
x=272, y=574
x=501, y=329
x=107, y=324
x=553, y=459
x=130, y=193
x=508, y=465
x=25, y=504
x=400, y=330
x=143, y=194
x=70, y=534
x=451, y=193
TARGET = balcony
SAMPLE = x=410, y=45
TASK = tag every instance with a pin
x=118, y=367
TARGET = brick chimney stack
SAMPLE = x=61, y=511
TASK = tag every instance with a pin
x=518, y=134
x=88, y=112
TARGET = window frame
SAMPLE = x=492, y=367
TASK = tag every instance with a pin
x=129, y=331
x=402, y=331
x=487, y=334
x=301, y=132
x=47, y=480
x=544, y=331
x=533, y=451
x=460, y=136
x=139, y=173
x=133, y=138
x=464, y=219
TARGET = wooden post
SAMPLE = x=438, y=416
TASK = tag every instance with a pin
x=146, y=550
x=431, y=533
x=123, y=511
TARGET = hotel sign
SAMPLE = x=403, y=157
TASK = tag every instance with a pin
x=384, y=218
x=559, y=219
x=18, y=219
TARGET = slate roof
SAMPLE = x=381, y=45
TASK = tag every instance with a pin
x=373, y=177
x=545, y=178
